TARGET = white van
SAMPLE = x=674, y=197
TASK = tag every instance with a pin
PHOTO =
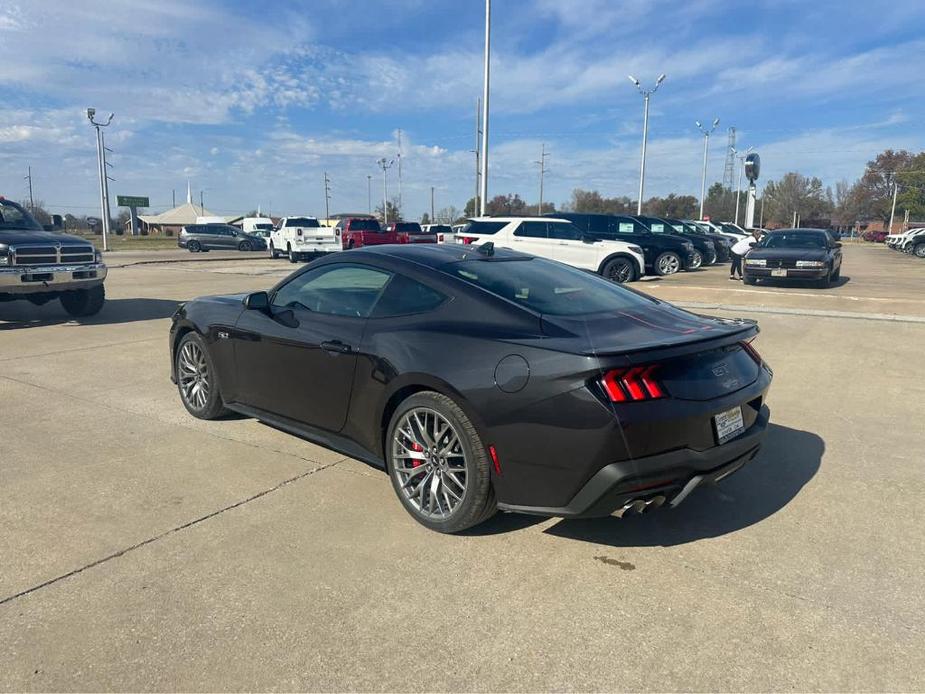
x=210, y=220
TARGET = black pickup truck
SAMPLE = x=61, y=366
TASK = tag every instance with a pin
x=39, y=264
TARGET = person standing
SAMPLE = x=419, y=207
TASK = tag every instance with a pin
x=738, y=251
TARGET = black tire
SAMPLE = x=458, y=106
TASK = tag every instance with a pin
x=274, y=254
x=749, y=280
x=194, y=246
x=350, y=245
x=84, y=302
x=478, y=500
x=919, y=250
x=711, y=257
x=212, y=407
x=696, y=261
x=245, y=246
x=667, y=263
x=293, y=257
x=826, y=281
x=837, y=275
x=619, y=270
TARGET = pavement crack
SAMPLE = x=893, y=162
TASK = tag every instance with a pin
x=160, y=536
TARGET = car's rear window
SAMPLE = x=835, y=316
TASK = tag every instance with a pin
x=441, y=229
x=364, y=225
x=546, y=287
x=479, y=227
x=302, y=222
x=411, y=227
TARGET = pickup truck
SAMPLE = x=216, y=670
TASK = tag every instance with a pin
x=298, y=237
x=411, y=232
x=39, y=265
x=356, y=232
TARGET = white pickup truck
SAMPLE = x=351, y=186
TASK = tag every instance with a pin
x=298, y=237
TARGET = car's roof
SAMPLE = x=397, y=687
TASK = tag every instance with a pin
x=433, y=254
x=780, y=231
x=515, y=218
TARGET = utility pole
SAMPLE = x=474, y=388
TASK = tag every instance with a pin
x=483, y=189
x=327, y=197
x=385, y=165
x=174, y=194
x=28, y=177
x=895, y=191
x=108, y=178
x=202, y=207
x=100, y=156
x=477, y=150
x=431, y=204
x=646, y=93
x=369, y=192
x=703, y=175
x=543, y=170
x=399, y=171
x=761, y=218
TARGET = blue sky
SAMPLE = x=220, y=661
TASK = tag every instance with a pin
x=253, y=101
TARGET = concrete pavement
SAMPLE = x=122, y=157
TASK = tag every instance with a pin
x=141, y=549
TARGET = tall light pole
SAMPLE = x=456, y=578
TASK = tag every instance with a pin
x=477, y=151
x=646, y=93
x=706, y=146
x=28, y=177
x=327, y=197
x=483, y=191
x=893, y=208
x=431, y=204
x=399, y=171
x=542, y=164
x=385, y=165
x=369, y=192
x=741, y=158
x=104, y=188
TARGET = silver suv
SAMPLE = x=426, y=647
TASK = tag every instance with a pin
x=205, y=237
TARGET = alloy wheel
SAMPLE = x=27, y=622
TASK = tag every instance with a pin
x=620, y=271
x=696, y=260
x=669, y=265
x=193, y=374
x=430, y=463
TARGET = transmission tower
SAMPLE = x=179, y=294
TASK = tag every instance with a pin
x=729, y=173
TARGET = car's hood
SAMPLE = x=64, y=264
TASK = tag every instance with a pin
x=225, y=299
x=17, y=237
x=788, y=253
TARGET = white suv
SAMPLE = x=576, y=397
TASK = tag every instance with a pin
x=557, y=239
x=297, y=237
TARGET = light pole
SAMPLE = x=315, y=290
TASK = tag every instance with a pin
x=483, y=192
x=104, y=187
x=385, y=165
x=741, y=158
x=893, y=208
x=431, y=204
x=369, y=192
x=327, y=197
x=542, y=164
x=646, y=93
x=706, y=146
x=28, y=177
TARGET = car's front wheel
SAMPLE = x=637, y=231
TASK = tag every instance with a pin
x=245, y=246
x=84, y=302
x=919, y=250
x=668, y=263
x=696, y=260
x=194, y=246
x=196, y=378
x=438, y=465
x=618, y=270
x=293, y=257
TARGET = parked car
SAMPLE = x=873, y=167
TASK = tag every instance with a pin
x=721, y=243
x=874, y=236
x=198, y=238
x=568, y=395
x=262, y=226
x=39, y=264
x=444, y=232
x=794, y=254
x=664, y=254
x=703, y=251
x=558, y=239
x=356, y=232
x=411, y=232
x=914, y=243
x=300, y=237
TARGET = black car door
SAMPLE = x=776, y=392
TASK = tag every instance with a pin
x=298, y=358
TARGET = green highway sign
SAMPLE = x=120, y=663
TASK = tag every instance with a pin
x=132, y=201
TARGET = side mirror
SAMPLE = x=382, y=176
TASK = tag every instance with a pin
x=258, y=301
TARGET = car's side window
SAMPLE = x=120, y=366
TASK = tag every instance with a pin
x=623, y=226
x=563, y=231
x=404, y=296
x=533, y=230
x=338, y=290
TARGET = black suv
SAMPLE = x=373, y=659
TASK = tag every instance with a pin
x=703, y=247
x=720, y=242
x=664, y=253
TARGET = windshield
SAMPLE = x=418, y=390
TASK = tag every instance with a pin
x=264, y=227
x=546, y=287
x=302, y=222
x=12, y=216
x=794, y=239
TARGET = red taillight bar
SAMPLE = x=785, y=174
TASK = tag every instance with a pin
x=469, y=239
x=633, y=385
x=751, y=351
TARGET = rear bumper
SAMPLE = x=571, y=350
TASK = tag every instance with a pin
x=317, y=246
x=50, y=278
x=669, y=477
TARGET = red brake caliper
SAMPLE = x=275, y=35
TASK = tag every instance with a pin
x=417, y=448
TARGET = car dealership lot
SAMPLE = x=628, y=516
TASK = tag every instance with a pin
x=143, y=549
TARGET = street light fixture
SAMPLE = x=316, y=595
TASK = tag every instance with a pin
x=385, y=165
x=706, y=145
x=101, y=162
x=646, y=93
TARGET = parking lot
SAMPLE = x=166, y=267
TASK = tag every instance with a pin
x=142, y=549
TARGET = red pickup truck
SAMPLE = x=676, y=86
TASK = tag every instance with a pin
x=411, y=232
x=356, y=232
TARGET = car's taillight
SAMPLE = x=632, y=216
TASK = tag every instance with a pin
x=633, y=385
x=469, y=239
x=439, y=238
x=751, y=351
x=298, y=232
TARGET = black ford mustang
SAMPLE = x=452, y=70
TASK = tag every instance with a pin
x=483, y=380
x=794, y=254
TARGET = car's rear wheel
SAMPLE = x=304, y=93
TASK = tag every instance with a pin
x=438, y=465
x=618, y=270
x=292, y=256
x=696, y=260
x=84, y=302
x=711, y=257
x=919, y=250
x=668, y=263
x=196, y=378
x=194, y=246
x=274, y=254
x=245, y=246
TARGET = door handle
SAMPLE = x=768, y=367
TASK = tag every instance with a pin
x=336, y=347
